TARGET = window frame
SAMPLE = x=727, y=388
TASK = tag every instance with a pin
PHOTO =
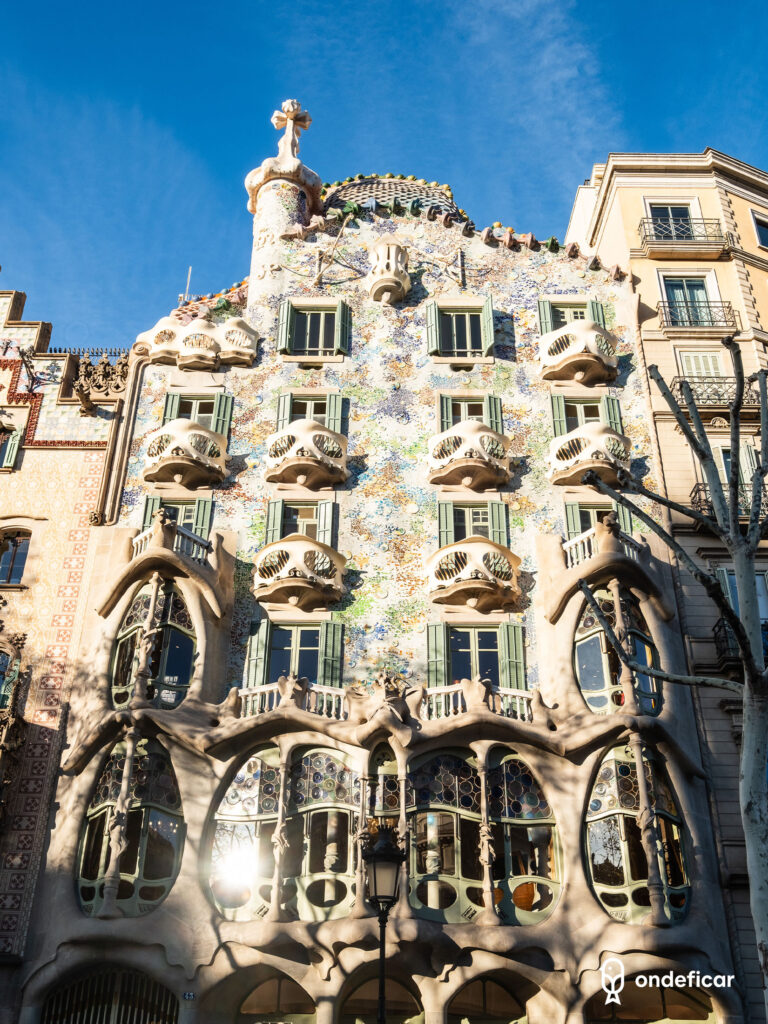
x=481, y=306
x=762, y=220
x=15, y=533
x=286, y=327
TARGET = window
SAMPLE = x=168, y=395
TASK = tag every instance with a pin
x=463, y=652
x=9, y=673
x=671, y=222
x=9, y=447
x=481, y=408
x=617, y=855
x=312, y=519
x=195, y=516
x=154, y=832
x=581, y=517
x=553, y=315
x=300, y=519
x=695, y=365
x=460, y=333
x=761, y=227
x=309, y=409
x=212, y=412
x=110, y=995
x=313, y=332
x=323, y=409
x=570, y=413
x=456, y=522
x=597, y=666
x=727, y=581
x=295, y=650
x=688, y=301
x=14, y=547
x=172, y=653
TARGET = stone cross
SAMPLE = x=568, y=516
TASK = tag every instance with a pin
x=295, y=121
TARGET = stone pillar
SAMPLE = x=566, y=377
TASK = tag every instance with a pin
x=279, y=844
x=646, y=819
x=626, y=678
x=487, y=915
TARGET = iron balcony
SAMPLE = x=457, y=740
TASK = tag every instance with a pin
x=698, y=314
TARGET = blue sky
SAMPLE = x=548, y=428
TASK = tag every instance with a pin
x=126, y=129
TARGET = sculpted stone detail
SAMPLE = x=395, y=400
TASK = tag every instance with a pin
x=200, y=344
x=582, y=351
x=388, y=279
x=183, y=452
x=286, y=164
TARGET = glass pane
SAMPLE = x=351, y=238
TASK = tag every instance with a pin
x=204, y=413
x=315, y=325
x=460, y=654
x=591, y=412
x=590, y=665
x=329, y=328
x=307, y=521
x=299, y=333
x=446, y=334
x=94, y=838
x=130, y=856
x=604, y=842
x=318, y=830
x=318, y=410
x=572, y=418
x=471, y=868
x=290, y=519
x=280, y=654
x=299, y=409
x=460, y=328
x=308, y=654
x=460, y=531
x=162, y=842
x=475, y=333
x=673, y=854
x=479, y=521
x=488, y=655
x=121, y=679
x=186, y=408
x=762, y=232
x=638, y=863
x=180, y=650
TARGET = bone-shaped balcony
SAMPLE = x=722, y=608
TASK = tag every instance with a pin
x=300, y=572
x=185, y=453
x=307, y=453
x=200, y=344
x=475, y=573
x=469, y=454
x=592, y=446
x=581, y=351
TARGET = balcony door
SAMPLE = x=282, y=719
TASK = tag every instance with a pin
x=701, y=365
x=688, y=301
x=671, y=222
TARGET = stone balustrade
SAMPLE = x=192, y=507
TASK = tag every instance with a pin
x=592, y=446
x=581, y=351
x=476, y=573
x=596, y=541
x=298, y=571
x=469, y=454
x=306, y=452
x=183, y=452
x=178, y=538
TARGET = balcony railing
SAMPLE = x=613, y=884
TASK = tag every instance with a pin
x=185, y=542
x=587, y=545
x=471, y=454
x=298, y=571
x=714, y=391
x=582, y=351
x=594, y=446
x=681, y=229
x=307, y=453
x=725, y=641
x=326, y=701
x=183, y=452
x=475, y=572
x=449, y=701
x=698, y=314
x=701, y=500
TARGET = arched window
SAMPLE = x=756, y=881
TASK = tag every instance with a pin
x=489, y=1001
x=242, y=858
x=111, y=996
x=154, y=832
x=526, y=852
x=9, y=673
x=597, y=667
x=361, y=1005
x=279, y=999
x=14, y=547
x=616, y=853
x=650, y=1003
x=319, y=865
x=173, y=650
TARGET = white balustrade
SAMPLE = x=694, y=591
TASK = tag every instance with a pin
x=449, y=701
x=469, y=453
x=326, y=701
x=308, y=453
x=582, y=351
x=184, y=542
x=183, y=452
x=590, y=446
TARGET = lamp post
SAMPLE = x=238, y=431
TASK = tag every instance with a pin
x=382, y=871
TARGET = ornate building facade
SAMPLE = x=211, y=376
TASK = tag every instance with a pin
x=330, y=584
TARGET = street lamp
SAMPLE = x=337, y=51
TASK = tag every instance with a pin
x=382, y=872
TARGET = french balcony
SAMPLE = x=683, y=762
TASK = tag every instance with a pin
x=717, y=318
x=701, y=500
x=581, y=351
x=599, y=541
x=183, y=452
x=326, y=701
x=592, y=446
x=681, y=238
x=469, y=454
x=715, y=392
x=451, y=701
x=300, y=572
x=307, y=453
x=474, y=573
x=727, y=649
x=168, y=534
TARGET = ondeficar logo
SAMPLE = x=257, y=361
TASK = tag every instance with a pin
x=612, y=978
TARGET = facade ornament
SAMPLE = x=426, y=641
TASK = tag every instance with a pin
x=17, y=640
x=96, y=517
x=287, y=165
x=475, y=692
x=390, y=703
x=105, y=380
x=292, y=690
x=388, y=280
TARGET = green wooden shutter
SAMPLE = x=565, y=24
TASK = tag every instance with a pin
x=747, y=465
x=545, y=316
x=446, y=413
x=558, y=415
x=722, y=579
x=329, y=669
x=445, y=522
x=171, y=407
x=596, y=312
x=512, y=657
x=274, y=521
x=12, y=449
x=497, y=518
x=437, y=654
x=624, y=516
x=486, y=326
x=492, y=413
x=284, y=410
x=572, y=519
x=342, y=328
x=151, y=505
x=203, y=517
x=285, y=326
x=333, y=409
x=325, y=522
x=610, y=413
x=257, y=666
x=222, y=413
x=432, y=313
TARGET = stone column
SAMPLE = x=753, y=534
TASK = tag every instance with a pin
x=279, y=845
x=403, y=908
x=626, y=678
x=487, y=915
x=646, y=819
x=118, y=828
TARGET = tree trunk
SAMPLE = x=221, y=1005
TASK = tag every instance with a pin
x=753, y=797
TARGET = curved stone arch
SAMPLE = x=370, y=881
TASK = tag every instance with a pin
x=487, y=995
x=236, y=970
x=358, y=995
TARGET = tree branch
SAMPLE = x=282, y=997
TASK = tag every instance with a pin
x=677, y=412
x=756, y=527
x=735, y=413
x=631, y=483
x=646, y=670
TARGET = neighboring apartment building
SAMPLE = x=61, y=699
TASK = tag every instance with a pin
x=693, y=231
x=51, y=473
x=333, y=585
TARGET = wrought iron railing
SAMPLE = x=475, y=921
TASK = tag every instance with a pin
x=714, y=391
x=701, y=500
x=697, y=314
x=725, y=641
x=681, y=229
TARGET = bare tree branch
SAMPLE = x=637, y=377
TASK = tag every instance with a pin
x=631, y=483
x=735, y=414
x=677, y=412
x=646, y=670
x=756, y=527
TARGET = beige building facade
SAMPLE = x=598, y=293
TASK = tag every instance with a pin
x=693, y=231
